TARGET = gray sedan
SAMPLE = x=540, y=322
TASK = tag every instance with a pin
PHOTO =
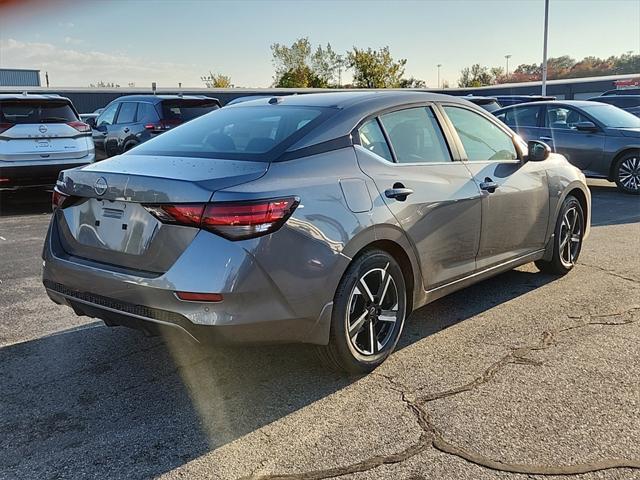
x=321, y=218
x=600, y=139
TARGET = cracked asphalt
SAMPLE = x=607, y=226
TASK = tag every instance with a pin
x=524, y=376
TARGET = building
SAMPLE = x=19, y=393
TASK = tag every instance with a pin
x=16, y=77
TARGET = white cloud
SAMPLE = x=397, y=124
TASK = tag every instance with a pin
x=66, y=24
x=73, y=41
x=69, y=67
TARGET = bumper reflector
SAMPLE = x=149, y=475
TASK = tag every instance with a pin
x=199, y=297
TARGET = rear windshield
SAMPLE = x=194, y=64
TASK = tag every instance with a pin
x=36, y=111
x=622, y=102
x=185, y=110
x=242, y=132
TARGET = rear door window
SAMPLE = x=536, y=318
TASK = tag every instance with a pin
x=147, y=113
x=372, y=138
x=36, y=111
x=415, y=136
x=522, y=116
x=179, y=111
x=127, y=113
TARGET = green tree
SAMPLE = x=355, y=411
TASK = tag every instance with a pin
x=300, y=66
x=217, y=80
x=412, y=82
x=475, y=76
x=375, y=68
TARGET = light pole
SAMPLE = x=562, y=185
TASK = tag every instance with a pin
x=544, y=51
x=439, y=65
x=507, y=57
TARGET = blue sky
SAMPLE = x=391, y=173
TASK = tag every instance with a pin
x=178, y=41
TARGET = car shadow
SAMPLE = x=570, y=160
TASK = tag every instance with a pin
x=25, y=202
x=612, y=207
x=112, y=403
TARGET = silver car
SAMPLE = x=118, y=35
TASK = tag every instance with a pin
x=321, y=218
x=40, y=135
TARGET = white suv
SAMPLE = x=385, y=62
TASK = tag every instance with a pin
x=40, y=135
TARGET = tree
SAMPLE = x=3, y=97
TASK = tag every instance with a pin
x=475, y=76
x=412, y=83
x=375, y=68
x=300, y=66
x=217, y=80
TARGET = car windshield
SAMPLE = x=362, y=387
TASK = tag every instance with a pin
x=612, y=116
x=184, y=110
x=243, y=133
x=36, y=111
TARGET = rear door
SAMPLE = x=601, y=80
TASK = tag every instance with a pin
x=123, y=130
x=525, y=120
x=441, y=215
x=515, y=195
x=582, y=149
x=41, y=130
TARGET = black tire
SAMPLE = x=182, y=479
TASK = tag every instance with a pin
x=567, y=239
x=626, y=172
x=360, y=352
x=129, y=146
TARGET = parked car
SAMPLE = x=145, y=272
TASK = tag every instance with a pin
x=133, y=119
x=246, y=98
x=490, y=104
x=320, y=218
x=40, y=135
x=630, y=103
x=600, y=139
x=623, y=91
x=507, y=100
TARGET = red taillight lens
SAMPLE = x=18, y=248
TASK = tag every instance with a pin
x=58, y=199
x=199, y=297
x=5, y=126
x=232, y=220
x=80, y=126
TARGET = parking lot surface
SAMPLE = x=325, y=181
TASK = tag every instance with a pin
x=522, y=376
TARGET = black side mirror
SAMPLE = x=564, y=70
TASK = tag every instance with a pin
x=538, y=151
x=586, y=127
x=91, y=121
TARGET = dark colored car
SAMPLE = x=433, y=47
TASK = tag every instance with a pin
x=133, y=119
x=622, y=91
x=630, y=103
x=600, y=139
x=246, y=98
x=490, y=104
x=508, y=100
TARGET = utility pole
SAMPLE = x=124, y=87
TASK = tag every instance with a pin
x=507, y=57
x=439, y=65
x=544, y=51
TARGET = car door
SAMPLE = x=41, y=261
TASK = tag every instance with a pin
x=515, y=194
x=122, y=134
x=429, y=191
x=104, y=126
x=525, y=120
x=580, y=148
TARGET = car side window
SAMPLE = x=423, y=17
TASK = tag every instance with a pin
x=482, y=139
x=522, y=116
x=147, y=113
x=127, y=113
x=372, y=138
x=563, y=118
x=415, y=136
x=108, y=116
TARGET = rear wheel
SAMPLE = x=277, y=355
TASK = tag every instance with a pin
x=567, y=241
x=369, y=310
x=626, y=173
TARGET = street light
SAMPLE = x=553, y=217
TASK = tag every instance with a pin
x=507, y=57
x=544, y=51
x=439, y=65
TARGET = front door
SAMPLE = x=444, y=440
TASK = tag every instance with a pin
x=430, y=193
x=515, y=195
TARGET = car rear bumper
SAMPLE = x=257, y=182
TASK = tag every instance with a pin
x=253, y=310
x=19, y=175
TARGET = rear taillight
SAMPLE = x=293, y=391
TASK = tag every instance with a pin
x=161, y=126
x=80, y=126
x=58, y=199
x=5, y=126
x=232, y=220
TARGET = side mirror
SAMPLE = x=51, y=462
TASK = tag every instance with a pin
x=538, y=151
x=91, y=121
x=586, y=127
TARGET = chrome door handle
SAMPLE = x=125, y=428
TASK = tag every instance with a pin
x=488, y=185
x=546, y=139
x=398, y=193
x=126, y=130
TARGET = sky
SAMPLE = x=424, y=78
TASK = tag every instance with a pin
x=168, y=42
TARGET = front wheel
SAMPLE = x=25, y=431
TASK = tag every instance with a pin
x=567, y=241
x=626, y=173
x=369, y=310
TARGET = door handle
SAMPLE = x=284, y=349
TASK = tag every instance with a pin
x=488, y=185
x=126, y=130
x=399, y=193
x=546, y=139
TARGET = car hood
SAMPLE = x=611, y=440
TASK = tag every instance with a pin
x=630, y=132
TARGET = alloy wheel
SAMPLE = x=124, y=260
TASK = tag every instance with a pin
x=570, y=237
x=629, y=173
x=372, y=312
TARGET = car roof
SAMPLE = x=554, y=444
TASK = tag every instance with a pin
x=573, y=103
x=31, y=96
x=160, y=98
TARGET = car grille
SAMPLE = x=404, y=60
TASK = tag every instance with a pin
x=124, y=307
